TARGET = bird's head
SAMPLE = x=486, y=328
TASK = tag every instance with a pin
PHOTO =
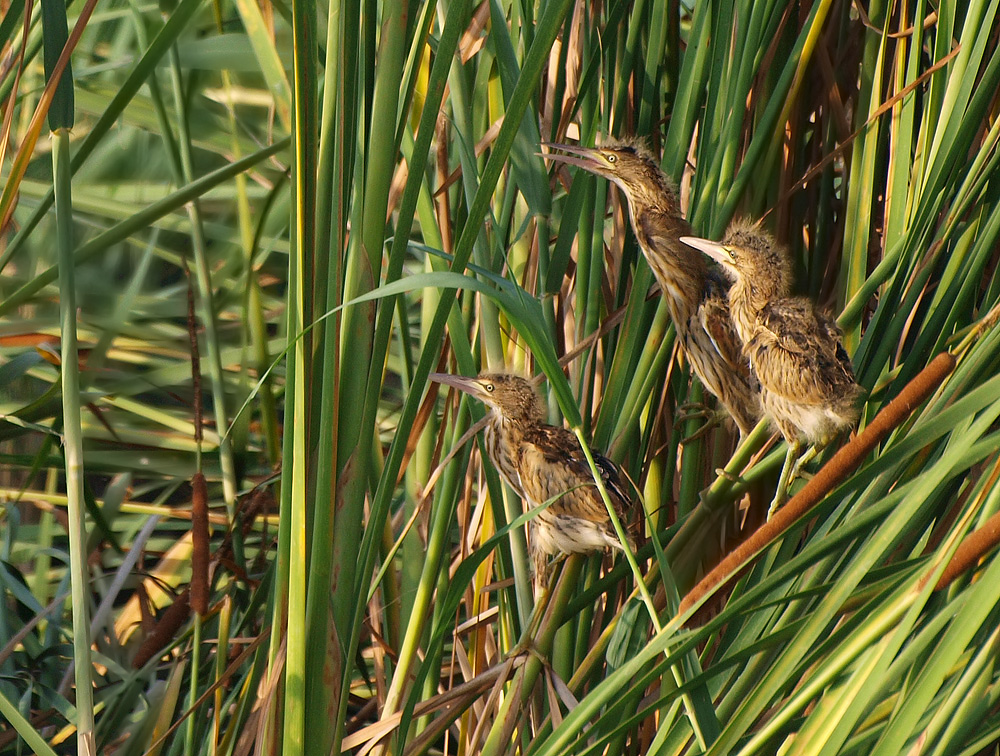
x=627, y=163
x=749, y=256
x=510, y=396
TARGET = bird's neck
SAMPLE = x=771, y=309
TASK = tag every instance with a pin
x=745, y=307
x=679, y=269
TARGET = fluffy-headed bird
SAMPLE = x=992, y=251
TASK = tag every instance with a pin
x=694, y=292
x=806, y=378
x=541, y=461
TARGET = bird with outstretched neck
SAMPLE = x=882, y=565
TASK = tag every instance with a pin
x=807, y=384
x=543, y=462
x=695, y=293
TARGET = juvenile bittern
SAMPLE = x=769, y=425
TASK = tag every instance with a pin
x=806, y=378
x=695, y=293
x=540, y=462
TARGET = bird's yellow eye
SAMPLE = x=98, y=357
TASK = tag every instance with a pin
x=489, y=388
x=612, y=157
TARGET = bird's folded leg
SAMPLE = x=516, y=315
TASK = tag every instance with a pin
x=543, y=566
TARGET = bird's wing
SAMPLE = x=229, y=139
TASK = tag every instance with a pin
x=553, y=464
x=611, y=477
x=682, y=274
x=799, y=354
x=836, y=336
x=792, y=325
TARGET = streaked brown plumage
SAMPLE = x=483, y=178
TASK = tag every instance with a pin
x=541, y=461
x=694, y=292
x=806, y=378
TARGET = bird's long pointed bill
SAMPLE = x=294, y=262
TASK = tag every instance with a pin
x=468, y=385
x=713, y=249
x=579, y=156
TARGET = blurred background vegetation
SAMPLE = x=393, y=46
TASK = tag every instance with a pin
x=237, y=237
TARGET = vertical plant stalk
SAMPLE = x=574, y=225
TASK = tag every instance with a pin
x=355, y=427
x=865, y=159
x=333, y=185
x=204, y=282
x=290, y=605
x=200, y=530
x=60, y=80
x=256, y=332
x=73, y=444
x=706, y=728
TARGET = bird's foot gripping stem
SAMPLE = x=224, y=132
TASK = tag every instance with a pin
x=801, y=462
x=712, y=417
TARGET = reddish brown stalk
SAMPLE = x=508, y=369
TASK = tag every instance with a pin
x=199, y=544
x=975, y=545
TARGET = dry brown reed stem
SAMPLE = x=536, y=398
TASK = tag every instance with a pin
x=461, y=696
x=842, y=464
x=975, y=545
x=515, y=707
x=234, y=666
x=199, y=544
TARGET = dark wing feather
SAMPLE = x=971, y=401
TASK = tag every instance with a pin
x=611, y=477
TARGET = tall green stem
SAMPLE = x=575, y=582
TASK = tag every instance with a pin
x=73, y=445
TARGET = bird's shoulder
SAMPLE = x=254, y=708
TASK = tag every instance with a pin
x=797, y=326
x=552, y=441
x=796, y=343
